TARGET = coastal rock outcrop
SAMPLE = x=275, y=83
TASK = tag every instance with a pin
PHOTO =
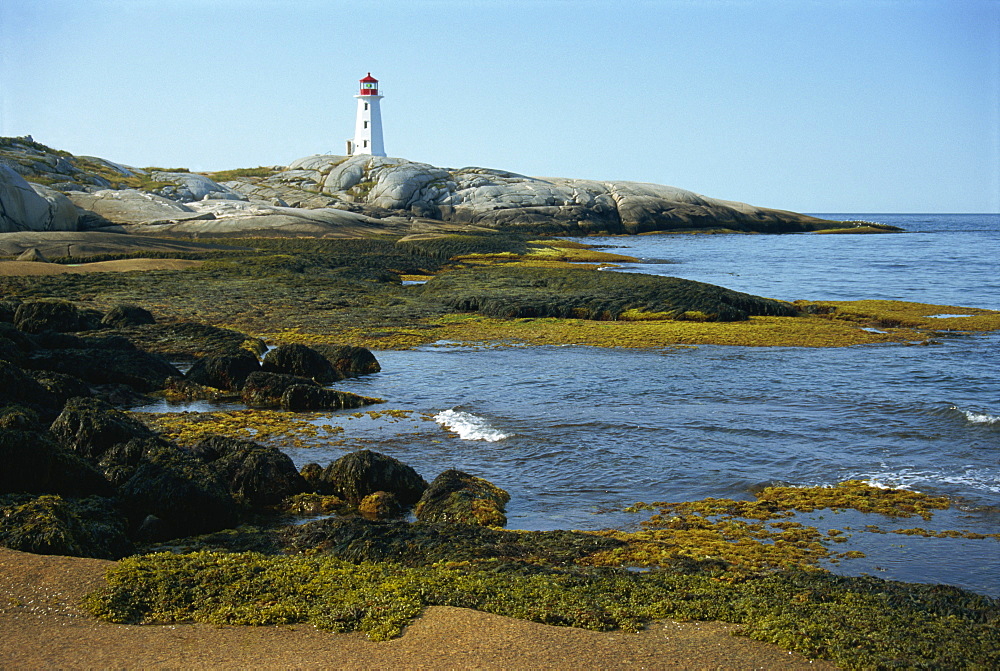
x=459, y=498
x=33, y=207
x=256, y=475
x=363, y=195
x=358, y=474
x=225, y=371
x=300, y=360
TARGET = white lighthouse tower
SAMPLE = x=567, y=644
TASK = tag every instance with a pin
x=368, y=123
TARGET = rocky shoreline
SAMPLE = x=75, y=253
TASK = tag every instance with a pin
x=415, y=254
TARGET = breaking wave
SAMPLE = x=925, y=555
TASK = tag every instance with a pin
x=979, y=417
x=469, y=426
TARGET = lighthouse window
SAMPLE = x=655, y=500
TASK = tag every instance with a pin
x=366, y=124
x=366, y=107
x=366, y=143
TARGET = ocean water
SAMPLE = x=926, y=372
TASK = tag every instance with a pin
x=575, y=434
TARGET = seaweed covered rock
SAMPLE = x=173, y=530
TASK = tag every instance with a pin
x=360, y=540
x=380, y=506
x=63, y=387
x=300, y=360
x=358, y=474
x=304, y=397
x=18, y=388
x=47, y=524
x=91, y=427
x=49, y=315
x=101, y=365
x=350, y=361
x=33, y=462
x=510, y=293
x=257, y=475
x=120, y=461
x=180, y=491
x=225, y=371
x=188, y=341
x=266, y=389
x=127, y=315
x=458, y=497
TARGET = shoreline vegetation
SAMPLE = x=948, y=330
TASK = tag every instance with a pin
x=210, y=522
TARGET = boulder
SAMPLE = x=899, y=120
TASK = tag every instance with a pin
x=181, y=491
x=49, y=315
x=256, y=475
x=27, y=207
x=300, y=360
x=91, y=427
x=307, y=398
x=127, y=315
x=380, y=506
x=131, y=206
x=18, y=388
x=119, y=462
x=350, y=361
x=358, y=474
x=89, y=527
x=137, y=369
x=263, y=389
x=187, y=187
x=32, y=254
x=63, y=387
x=33, y=462
x=458, y=497
x=226, y=371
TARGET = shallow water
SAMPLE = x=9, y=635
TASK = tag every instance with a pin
x=575, y=434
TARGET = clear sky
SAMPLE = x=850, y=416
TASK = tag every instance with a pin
x=807, y=105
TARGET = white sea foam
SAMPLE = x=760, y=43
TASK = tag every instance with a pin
x=914, y=479
x=980, y=417
x=469, y=426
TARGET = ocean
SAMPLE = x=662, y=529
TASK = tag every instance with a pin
x=576, y=434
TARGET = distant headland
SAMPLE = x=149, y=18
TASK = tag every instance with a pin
x=45, y=189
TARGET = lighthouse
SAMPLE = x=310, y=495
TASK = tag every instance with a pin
x=368, y=123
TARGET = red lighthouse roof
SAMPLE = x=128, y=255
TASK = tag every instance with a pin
x=369, y=78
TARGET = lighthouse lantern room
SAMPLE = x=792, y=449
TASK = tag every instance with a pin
x=368, y=122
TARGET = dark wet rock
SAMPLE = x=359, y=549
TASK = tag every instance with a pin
x=313, y=474
x=115, y=342
x=179, y=489
x=34, y=462
x=141, y=370
x=360, y=540
x=49, y=315
x=56, y=340
x=458, y=497
x=358, y=474
x=310, y=504
x=18, y=388
x=120, y=461
x=49, y=524
x=63, y=387
x=227, y=371
x=304, y=398
x=350, y=361
x=509, y=293
x=256, y=475
x=8, y=308
x=188, y=341
x=213, y=448
x=380, y=506
x=91, y=427
x=21, y=418
x=127, y=315
x=263, y=389
x=300, y=360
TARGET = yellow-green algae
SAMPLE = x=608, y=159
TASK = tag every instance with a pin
x=856, y=622
x=832, y=324
x=743, y=562
x=272, y=427
x=757, y=535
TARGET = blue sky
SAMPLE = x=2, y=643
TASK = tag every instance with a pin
x=806, y=105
